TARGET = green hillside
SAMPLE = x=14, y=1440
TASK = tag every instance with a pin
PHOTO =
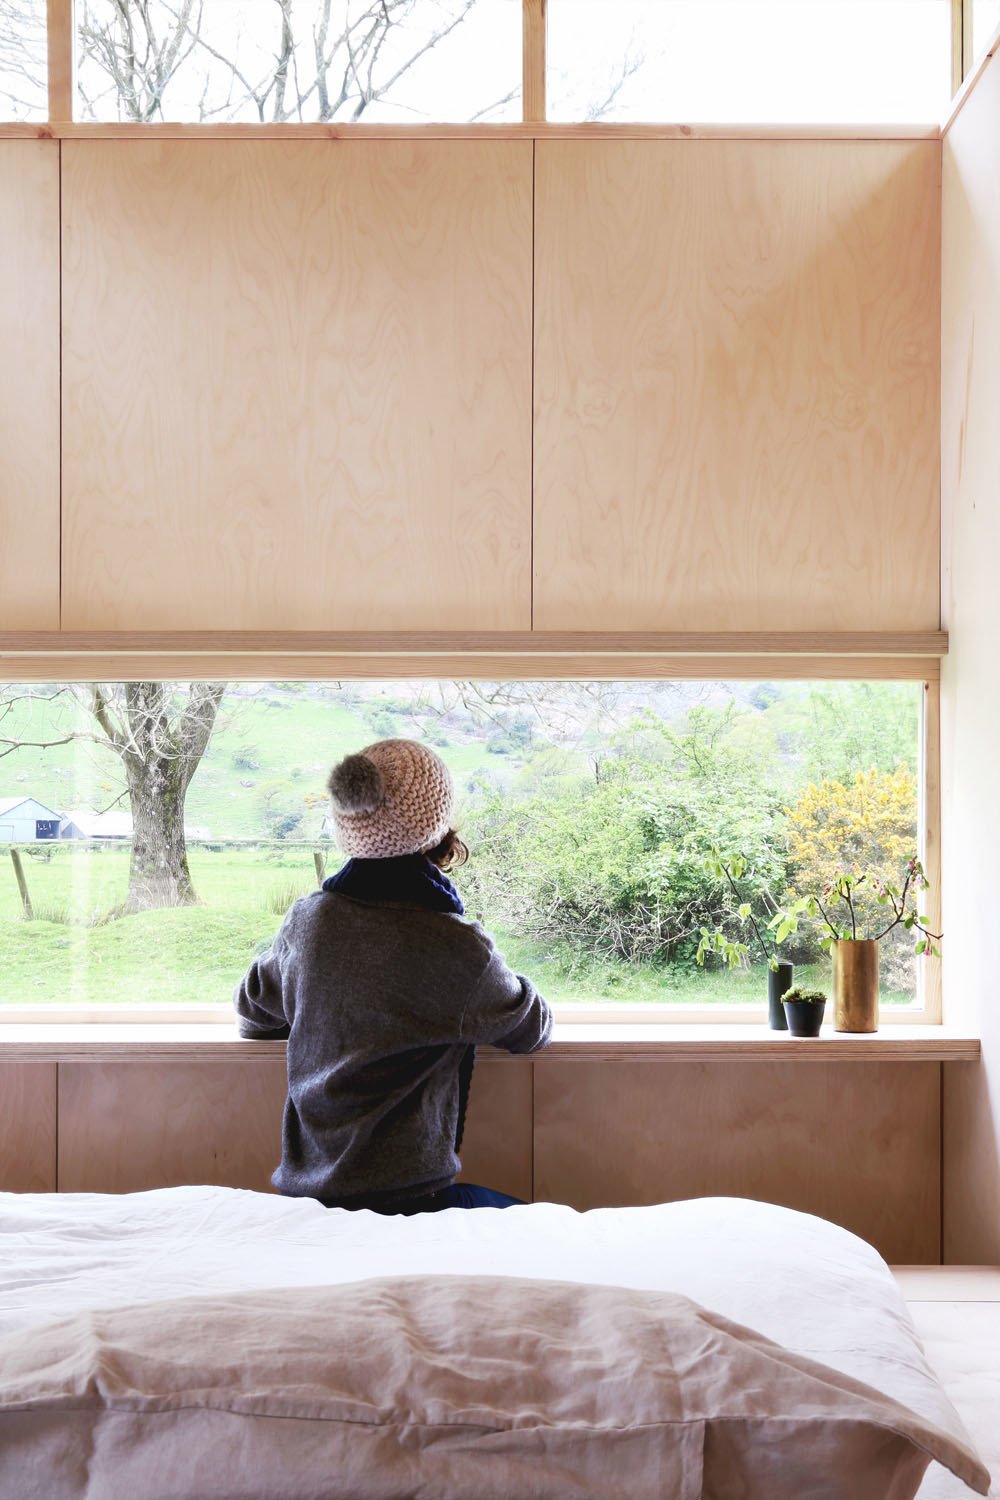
x=265, y=769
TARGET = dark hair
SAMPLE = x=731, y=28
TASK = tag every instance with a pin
x=451, y=851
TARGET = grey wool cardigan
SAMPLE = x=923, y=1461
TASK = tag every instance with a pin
x=380, y=1003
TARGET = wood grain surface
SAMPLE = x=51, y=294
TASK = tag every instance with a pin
x=28, y=1127
x=128, y=1126
x=533, y=60
x=61, y=38
x=29, y=386
x=858, y=1143
x=736, y=385
x=112, y=666
x=606, y=1033
x=970, y=717
x=496, y=1151
x=347, y=130
x=125, y=1126
x=297, y=384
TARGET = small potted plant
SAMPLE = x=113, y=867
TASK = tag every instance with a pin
x=804, y=1011
x=853, y=907
x=714, y=940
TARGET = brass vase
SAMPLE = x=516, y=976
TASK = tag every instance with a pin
x=855, y=985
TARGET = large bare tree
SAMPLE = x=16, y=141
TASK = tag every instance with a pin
x=327, y=61
x=159, y=731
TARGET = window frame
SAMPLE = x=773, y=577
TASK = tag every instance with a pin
x=61, y=31
x=256, y=656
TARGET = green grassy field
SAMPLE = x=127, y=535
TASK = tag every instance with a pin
x=192, y=955
x=195, y=955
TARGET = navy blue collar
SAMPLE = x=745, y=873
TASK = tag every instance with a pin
x=408, y=878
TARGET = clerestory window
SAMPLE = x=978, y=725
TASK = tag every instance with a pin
x=274, y=63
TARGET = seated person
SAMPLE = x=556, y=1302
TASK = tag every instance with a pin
x=383, y=991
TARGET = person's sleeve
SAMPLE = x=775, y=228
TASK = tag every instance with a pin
x=507, y=1011
x=258, y=997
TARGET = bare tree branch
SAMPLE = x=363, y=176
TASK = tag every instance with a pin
x=140, y=63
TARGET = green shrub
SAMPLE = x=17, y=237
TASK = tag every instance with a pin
x=616, y=867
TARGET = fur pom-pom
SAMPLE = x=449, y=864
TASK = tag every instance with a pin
x=356, y=785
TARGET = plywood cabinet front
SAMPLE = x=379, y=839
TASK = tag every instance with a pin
x=297, y=383
x=855, y=1142
x=29, y=386
x=126, y=1127
x=736, y=385
x=28, y=1128
x=129, y=1125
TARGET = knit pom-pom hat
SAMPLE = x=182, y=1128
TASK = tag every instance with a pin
x=393, y=797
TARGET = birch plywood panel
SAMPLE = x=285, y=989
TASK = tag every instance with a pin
x=736, y=385
x=297, y=384
x=971, y=484
x=128, y=1126
x=27, y=1127
x=857, y=1143
x=496, y=1150
x=29, y=385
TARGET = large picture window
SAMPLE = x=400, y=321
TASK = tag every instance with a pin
x=152, y=835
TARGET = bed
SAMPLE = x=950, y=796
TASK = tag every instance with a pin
x=204, y=1341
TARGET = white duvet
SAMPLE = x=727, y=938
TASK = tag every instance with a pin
x=799, y=1280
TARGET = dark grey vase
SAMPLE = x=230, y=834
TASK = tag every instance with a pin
x=779, y=982
x=805, y=1017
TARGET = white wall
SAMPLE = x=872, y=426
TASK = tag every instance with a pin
x=971, y=676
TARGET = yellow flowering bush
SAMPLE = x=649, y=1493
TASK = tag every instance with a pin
x=868, y=824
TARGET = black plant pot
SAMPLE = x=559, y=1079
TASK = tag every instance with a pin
x=805, y=1017
x=779, y=982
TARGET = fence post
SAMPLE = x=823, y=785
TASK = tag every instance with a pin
x=22, y=884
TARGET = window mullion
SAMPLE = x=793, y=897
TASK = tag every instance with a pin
x=533, y=78
x=60, y=23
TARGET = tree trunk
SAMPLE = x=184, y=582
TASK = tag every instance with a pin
x=158, y=874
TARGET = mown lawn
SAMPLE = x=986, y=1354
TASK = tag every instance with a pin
x=193, y=955
x=196, y=955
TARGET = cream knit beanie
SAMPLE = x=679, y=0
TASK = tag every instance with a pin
x=393, y=797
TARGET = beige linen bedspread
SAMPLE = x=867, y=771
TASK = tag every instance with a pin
x=443, y=1386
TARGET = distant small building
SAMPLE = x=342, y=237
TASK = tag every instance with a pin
x=25, y=820
x=77, y=823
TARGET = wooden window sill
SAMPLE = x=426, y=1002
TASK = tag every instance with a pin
x=748, y=1042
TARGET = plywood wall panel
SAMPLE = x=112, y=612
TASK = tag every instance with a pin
x=29, y=386
x=128, y=1126
x=27, y=1127
x=497, y=1148
x=297, y=383
x=736, y=385
x=970, y=700
x=858, y=1143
